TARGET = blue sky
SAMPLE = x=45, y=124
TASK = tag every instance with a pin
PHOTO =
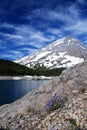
x=28, y=25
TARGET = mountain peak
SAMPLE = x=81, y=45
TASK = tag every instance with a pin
x=66, y=40
x=71, y=38
x=64, y=52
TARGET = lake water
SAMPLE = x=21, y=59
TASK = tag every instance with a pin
x=11, y=90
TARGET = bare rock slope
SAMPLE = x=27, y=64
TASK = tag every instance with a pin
x=71, y=83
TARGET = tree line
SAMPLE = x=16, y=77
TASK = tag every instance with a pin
x=9, y=68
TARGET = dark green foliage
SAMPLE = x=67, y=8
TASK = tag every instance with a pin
x=74, y=125
x=49, y=72
x=11, y=68
x=8, y=68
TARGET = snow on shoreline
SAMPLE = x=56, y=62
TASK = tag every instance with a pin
x=26, y=77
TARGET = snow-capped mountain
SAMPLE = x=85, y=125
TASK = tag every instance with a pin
x=65, y=52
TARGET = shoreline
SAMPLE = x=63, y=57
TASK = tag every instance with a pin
x=26, y=77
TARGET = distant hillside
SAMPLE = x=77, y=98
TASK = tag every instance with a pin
x=8, y=68
x=11, y=68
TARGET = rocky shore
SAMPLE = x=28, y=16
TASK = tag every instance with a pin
x=29, y=113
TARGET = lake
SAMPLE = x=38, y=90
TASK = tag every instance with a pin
x=11, y=90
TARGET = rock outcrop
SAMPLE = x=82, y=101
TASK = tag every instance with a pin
x=28, y=113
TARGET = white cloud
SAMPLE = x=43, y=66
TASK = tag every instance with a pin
x=6, y=25
x=55, y=31
x=27, y=35
x=38, y=36
x=1, y=41
x=11, y=36
x=80, y=27
x=81, y=1
x=12, y=54
x=16, y=54
x=69, y=14
x=29, y=50
x=14, y=36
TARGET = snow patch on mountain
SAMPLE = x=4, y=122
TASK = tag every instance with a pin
x=58, y=42
x=82, y=47
x=41, y=55
x=71, y=60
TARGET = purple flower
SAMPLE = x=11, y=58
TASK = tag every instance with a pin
x=55, y=102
